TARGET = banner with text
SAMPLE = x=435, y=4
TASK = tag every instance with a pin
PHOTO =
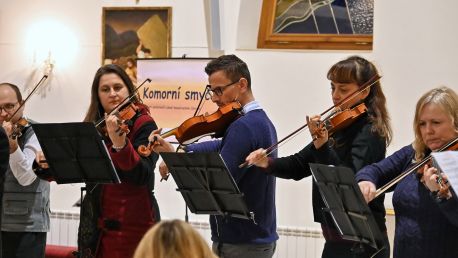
x=176, y=87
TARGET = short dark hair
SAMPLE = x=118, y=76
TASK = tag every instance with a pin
x=15, y=89
x=233, y=67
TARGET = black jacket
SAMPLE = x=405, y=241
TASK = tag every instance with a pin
x=355, y=147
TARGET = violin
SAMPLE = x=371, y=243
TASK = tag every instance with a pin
x=418, y=168
x=443, y=184
x=337, y=121
x=363, y=87
x=194, y=128
x=345, y=118
x=125, y=115
x=18, y=128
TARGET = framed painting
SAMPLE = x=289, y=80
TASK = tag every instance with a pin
x=130, y=33
x=316, y=24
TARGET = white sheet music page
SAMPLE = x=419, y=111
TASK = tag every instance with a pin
x=448, y=163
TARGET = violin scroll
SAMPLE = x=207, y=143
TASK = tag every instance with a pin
x=145, y=151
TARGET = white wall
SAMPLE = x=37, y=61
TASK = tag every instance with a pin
x=414, y=48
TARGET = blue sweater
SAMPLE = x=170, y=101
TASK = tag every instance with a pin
x=424, y=227
x=250, y=132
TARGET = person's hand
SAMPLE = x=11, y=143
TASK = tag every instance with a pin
x=429, y=178
x=41, y=160
x=117, y=136
x=368, y=190
x=258, y=158
x=159, y=144
x=319, y=133
x=164, y=171
x=8, y=126
x=435, y=183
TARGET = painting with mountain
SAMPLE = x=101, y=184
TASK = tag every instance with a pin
x=135, y=32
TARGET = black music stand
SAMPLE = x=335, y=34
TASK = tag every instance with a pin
x=75, y=153
x=346, y=205
x=206, y=184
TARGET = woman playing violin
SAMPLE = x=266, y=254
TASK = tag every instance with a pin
x=116, y=216
x=426, y=221
x=361, y=143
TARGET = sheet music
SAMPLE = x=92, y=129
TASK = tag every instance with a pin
x=448, y=163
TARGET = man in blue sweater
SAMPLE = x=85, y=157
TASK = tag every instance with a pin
x=229, y=81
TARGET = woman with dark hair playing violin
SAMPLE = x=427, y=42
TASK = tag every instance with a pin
x=116, y=216
x=426, y=209
x=361, y=143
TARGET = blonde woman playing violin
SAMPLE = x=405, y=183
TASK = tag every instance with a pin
x=426, y=218
x=361, y=143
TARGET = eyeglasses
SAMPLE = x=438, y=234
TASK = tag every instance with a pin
x=8, y=107
x=218, y=91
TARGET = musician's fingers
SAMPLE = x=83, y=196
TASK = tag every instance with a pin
x=153, y=133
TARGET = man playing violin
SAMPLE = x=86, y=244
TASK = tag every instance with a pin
x=229, y=80
x=361, y=143
x=426, y=217
x=25, y=201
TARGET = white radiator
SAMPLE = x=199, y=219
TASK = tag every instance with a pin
x=293, y=242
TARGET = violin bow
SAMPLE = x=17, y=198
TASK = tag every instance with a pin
x=374, y=79
x=412, y=168
x=30, y=94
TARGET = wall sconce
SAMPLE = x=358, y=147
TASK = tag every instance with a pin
x=49, y=43
x=48, y=65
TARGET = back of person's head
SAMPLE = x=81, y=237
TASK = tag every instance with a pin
x=173, y=239
x=233, y=67
x=443, y=97
x=131, y=61
x=356, y=69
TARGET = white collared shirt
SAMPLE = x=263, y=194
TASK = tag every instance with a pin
x=21, y=161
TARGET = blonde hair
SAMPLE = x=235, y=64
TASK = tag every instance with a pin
x=173, y=239
x=447, y=100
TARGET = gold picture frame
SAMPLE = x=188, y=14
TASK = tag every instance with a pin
x=284, y=24
x=135, y=32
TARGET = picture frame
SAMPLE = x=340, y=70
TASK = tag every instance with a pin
x=316, y=24
x=130, y=33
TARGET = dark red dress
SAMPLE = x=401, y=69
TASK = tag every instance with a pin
x=116, y=216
